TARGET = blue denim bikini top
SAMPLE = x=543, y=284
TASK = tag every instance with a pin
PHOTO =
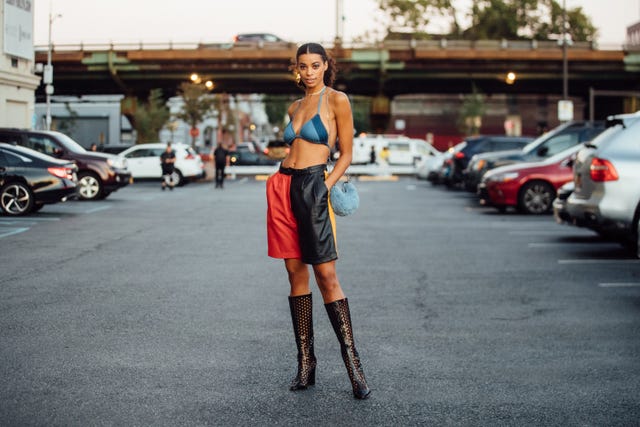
x=312, y=131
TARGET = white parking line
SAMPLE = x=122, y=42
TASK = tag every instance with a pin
x=537, y=233
x=599, y=261
x=98, y=209
x=12, y=232
x=619, y=285
x=552, y=244
x=29, y=219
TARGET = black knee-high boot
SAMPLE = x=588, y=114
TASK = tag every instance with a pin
x=340, y=317
x=302, y=318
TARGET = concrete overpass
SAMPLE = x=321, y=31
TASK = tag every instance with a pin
x=391, y=68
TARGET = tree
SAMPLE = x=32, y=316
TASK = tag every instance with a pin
x=150, y=117
x=198, y=104
x=413, y=16
x=276, y=109
x=489, y=19
x=470, y=115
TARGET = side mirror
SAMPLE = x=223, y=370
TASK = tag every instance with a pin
x=568, y=162
x=542, y=151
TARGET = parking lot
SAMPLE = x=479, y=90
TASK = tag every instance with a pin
x=162, y=308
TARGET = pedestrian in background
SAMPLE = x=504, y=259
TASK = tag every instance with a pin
x=300, y=221
x=167, y=161
x=220, y=157
x=372, y=155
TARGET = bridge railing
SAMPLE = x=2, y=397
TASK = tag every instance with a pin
x=387, y=44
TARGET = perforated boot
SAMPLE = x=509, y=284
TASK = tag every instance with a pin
x=302, y=318
x=340, y=317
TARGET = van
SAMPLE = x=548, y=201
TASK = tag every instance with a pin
x=409, y=151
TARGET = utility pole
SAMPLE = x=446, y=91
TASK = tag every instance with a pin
x=48, y=72
x=565, y=61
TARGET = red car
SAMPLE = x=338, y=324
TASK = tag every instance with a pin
x=529, y=187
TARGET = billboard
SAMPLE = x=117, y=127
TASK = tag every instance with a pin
x=18, y=28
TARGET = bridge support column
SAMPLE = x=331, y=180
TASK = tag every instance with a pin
x=380, y=113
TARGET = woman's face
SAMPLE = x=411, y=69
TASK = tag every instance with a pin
x=311, y=68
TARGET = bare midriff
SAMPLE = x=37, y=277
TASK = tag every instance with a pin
x=304, y=154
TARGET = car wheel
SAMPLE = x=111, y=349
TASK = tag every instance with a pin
x=536, y=198
x=89, y=186
x=178, y=178
x=16, y=199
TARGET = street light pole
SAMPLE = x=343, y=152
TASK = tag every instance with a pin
x=565, y=62
x=48, y=72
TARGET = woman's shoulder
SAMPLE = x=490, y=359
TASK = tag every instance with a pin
x=338, y=98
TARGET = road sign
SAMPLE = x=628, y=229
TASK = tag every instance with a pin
x=565, y=110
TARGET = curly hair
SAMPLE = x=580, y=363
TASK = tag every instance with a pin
x=330, y=74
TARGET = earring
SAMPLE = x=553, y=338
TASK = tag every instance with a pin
x=298, y=78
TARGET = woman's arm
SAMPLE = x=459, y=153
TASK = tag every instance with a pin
x=344, y=124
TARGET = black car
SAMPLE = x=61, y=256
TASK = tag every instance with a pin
x=558, y=139
x=246, y=158
x=459, y=157
x=99, y=174
x=29, y=180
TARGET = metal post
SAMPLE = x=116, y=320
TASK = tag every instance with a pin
x=565, y=62
x=47, y=90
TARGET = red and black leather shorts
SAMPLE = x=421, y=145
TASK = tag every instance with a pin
x=300, y=221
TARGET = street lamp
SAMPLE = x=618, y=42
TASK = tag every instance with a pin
x=48, y=73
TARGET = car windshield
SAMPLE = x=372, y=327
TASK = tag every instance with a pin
x=534, y=144
x=70, y=144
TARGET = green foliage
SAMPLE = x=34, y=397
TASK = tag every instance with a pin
x=413, y=16
x=150, y=117
x=489, y=19
x=198, y=103
x=471, y=112
x=276, y=109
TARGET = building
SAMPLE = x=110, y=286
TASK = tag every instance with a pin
x=17, y=79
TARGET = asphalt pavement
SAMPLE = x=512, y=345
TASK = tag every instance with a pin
x=155, y=308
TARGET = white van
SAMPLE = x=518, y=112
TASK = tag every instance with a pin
x=409, y=151
x=362, y=148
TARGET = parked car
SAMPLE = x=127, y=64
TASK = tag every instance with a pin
x=454, y=165
x=29, y=180
x=606, y=176
x=429, y=167
x=560, y=203
x=144, y=161
x=113, y=148
x=247, y=157
x=277, y=149
x=530, y=186
x=99, y=174
x=558, y=139
x=409, y=151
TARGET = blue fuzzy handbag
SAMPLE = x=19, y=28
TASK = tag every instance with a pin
x=344, y=198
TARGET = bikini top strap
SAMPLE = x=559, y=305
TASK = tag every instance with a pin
x=320, y=100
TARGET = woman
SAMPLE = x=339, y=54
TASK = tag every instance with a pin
x=300, y=221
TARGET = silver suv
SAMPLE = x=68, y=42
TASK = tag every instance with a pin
x=606, y=177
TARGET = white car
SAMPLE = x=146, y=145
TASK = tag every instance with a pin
x=143, y=161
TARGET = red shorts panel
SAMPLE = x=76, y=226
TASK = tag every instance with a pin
x=282, y=229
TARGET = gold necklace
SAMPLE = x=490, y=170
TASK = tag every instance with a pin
x=317, y=92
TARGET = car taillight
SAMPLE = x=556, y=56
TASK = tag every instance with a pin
x=61, y=172
x=602, y=170
x=459, y=155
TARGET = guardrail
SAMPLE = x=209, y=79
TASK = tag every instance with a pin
x=410, y=44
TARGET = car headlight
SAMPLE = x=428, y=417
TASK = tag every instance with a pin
x=117, y=162
x=502, y=177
